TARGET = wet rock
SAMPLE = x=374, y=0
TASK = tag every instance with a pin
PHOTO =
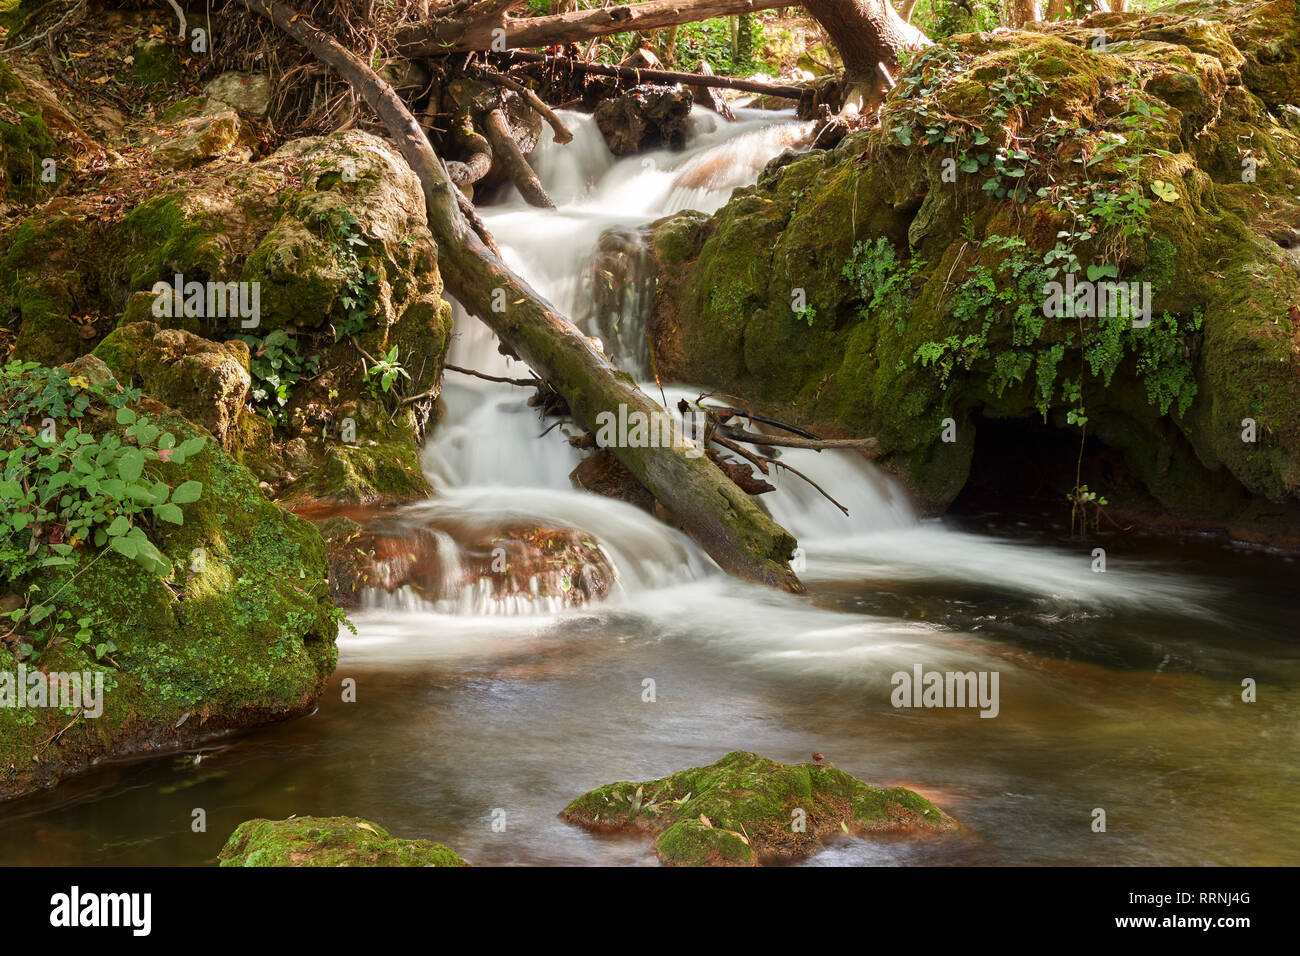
x=745, y=810
x=328, y=841
x=649, y=117
x=602, y=473
x=504, y=568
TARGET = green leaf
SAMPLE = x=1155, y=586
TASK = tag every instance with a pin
x=187, y=492
x=170, y=512
x=125, y=416
x=120, y=526
x=130, y=464
x=130, y=547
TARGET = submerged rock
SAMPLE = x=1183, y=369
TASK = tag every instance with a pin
x=328, y=841
x=746, y=810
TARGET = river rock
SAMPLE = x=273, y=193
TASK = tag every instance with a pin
x=741, y=811
x=648, y=117
x=1208, y=238
x=328, y=841
x=238, y=631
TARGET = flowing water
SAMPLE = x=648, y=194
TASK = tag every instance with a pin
x=1118, y=690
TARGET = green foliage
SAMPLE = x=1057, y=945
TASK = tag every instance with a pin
x=385, y=373
x=881, y=280
x=358, y=289
x=66, y=490
x=276, y=367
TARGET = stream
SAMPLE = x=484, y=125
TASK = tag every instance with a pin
x=1118, y=690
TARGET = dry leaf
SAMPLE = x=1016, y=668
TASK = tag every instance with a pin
x=367, y=826
x=705, y=820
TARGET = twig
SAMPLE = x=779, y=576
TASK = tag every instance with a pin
x=783, y=441
x=52, y=31
x=525, y=382
x=790, y=468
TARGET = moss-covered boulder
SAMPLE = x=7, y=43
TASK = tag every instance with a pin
x=207, y=382
x=25, y=142
x=329, y=232
x=328, y=841
x=897, y=286
x=226, y=625
x=746, y=810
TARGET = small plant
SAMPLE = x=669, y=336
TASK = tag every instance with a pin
x=64, y=489
x=276, y=367
x=881, y=280
x=385, y=373
x=358, y=288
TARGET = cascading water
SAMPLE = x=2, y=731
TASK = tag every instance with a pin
x=1119, y=689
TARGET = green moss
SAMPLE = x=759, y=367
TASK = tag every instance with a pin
x=239, y=633
x=974, y=310
x=329, y=841
x=25, y=143
x=746, y=809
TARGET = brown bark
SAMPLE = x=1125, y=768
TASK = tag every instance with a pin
x=720, y=517
x=477, y=34
x=869, y=35
x=1025, y=12
x=516, y=166
x=637, y=77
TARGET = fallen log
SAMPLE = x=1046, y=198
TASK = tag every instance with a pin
x=490, y=29
x=708, y=96
x=637, y=76
x=720, y=517
x=513, y=162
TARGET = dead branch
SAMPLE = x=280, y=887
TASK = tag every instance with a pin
x=512, y=160
x=636, y=76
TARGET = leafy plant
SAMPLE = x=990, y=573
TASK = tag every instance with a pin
x=881, y=280
x=276, y=367
x=64, y=493
x=385, y=373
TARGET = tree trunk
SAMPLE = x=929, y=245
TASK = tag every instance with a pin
x=1025, y=12
x=462, y=34
x=720, y=517
x=869, y=35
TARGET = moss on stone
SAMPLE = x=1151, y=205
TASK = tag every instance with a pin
x=746, y=810
x=1220, y=252
x=241, y=632
x=329, y=841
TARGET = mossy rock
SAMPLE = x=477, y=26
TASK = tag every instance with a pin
x=328, y=841
x=1192, y=89
x=206, y=381
x=241, y=631
x=746, y=810
x=25, y=142
x=332, y=231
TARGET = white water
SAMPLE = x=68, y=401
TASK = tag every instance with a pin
x=488, y=464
